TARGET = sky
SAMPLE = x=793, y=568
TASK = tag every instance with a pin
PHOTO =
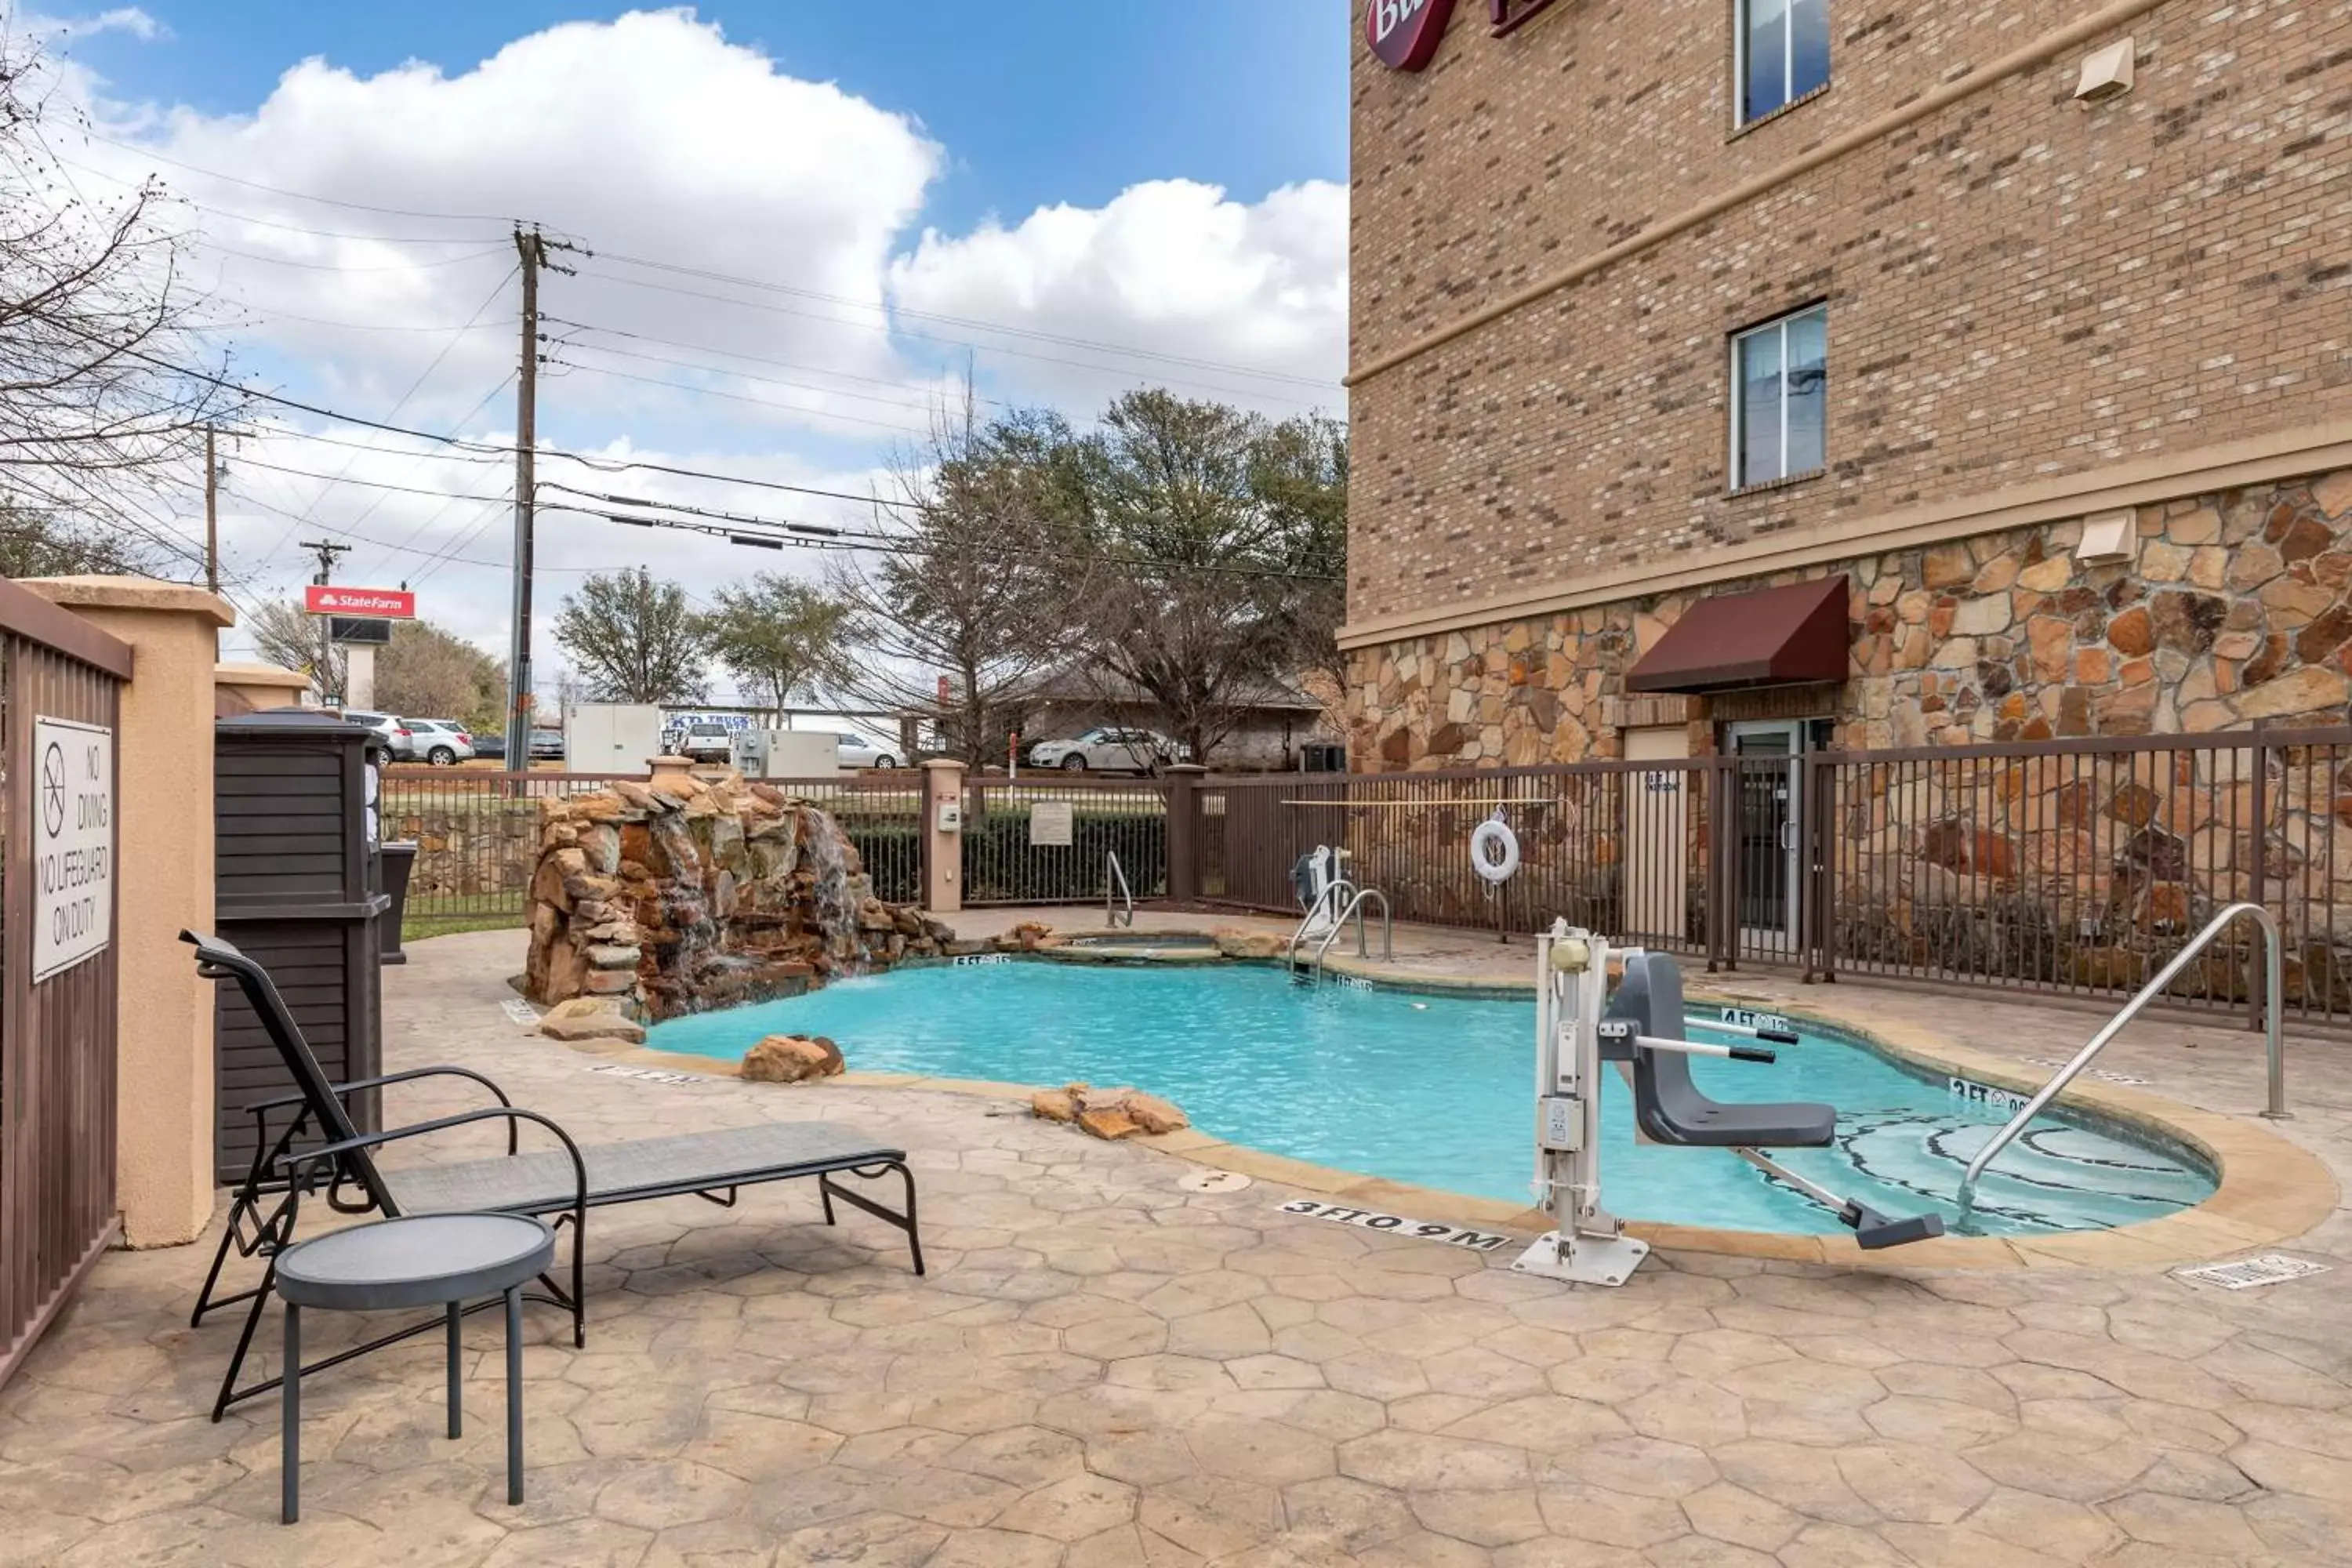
x=800, y=227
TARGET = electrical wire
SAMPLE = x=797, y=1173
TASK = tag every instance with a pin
x=734, y=354
x=742, y=397
x=300, y=196
x=762, y=380
x=212, y=246
x=236, y=217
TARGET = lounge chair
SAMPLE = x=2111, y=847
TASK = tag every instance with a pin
x=319, y=1141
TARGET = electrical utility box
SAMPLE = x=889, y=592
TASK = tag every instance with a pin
x=791, y=754
x=611, y=737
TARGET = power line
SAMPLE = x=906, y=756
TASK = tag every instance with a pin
x=885, y=327
x=345, y=478
x=735, y=354
x=212, y=246
x=744, y=397
x=969, y=322
x=296, y=195
x=762, y=379
x=237, y=216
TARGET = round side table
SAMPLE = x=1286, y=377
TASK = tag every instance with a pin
x=420, y=1261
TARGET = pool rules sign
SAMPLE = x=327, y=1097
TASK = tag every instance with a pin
x=73, y=844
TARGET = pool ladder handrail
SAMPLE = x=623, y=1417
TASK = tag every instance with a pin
x=1363, y=947
x=2274, y=1040
x=1328, y=896
x=1114, y=888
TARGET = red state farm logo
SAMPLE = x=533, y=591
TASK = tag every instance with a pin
x=1404, y=34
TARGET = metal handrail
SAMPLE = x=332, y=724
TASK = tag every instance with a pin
x=1115, y=882
x=1363, y=944
x=1328, y=895
x=2273, y=1041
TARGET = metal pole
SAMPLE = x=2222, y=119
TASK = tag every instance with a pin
x=211, y=516
x=532, y=252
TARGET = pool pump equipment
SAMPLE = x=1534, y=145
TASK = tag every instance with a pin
x=1580, y=1031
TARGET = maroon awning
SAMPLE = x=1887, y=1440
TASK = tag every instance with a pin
x=1775, y=637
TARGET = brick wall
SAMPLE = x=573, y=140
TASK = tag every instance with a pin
x=2019, y=287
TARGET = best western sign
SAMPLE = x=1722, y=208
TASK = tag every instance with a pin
x=1404, y=34
x=394, y=604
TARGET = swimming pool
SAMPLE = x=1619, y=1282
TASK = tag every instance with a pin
x=1438, y=1091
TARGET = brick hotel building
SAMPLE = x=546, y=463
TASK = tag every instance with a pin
x=1762, y=374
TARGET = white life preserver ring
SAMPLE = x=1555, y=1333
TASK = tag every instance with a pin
x=1494, y=850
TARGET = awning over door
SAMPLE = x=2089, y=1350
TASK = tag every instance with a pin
x=1775, y=637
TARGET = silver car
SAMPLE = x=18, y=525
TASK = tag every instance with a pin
x=1108, y=748
x=857, y=752
x=395, y=730
x=444, y=743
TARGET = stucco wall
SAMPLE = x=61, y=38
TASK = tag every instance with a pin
x=164, y=760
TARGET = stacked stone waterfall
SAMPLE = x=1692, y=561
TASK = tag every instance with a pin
x=685, y=894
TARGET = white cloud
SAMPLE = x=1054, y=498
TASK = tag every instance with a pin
x=1173, y=266
x=654, y=136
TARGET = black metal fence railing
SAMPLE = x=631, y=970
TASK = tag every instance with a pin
x=1048, y=840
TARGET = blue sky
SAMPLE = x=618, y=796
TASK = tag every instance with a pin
x=1038, y=100
x=1063, y=201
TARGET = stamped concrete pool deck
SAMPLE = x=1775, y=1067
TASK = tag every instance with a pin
x=1106, y=1370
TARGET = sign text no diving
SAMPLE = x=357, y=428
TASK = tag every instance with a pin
x=73, y=844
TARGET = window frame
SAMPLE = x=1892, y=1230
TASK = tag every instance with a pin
x=1740, y=119
x=1739, y=483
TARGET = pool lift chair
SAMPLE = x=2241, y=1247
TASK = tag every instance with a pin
x=1579, y=1031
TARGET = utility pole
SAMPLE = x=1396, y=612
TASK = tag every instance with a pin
x=531, y=248
x=211, y=516
x=329, y=551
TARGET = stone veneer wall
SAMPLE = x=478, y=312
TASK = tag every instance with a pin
x=2236, y=610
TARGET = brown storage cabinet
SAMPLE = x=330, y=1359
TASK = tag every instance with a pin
x=298, y=882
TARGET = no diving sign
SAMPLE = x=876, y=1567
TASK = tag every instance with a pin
x=73, y=844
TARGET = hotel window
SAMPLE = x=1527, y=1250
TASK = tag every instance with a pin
x=1784, y=53
x=1780, y=378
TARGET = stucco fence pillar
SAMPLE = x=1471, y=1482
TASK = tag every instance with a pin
x=163, y=856
x=943, y=848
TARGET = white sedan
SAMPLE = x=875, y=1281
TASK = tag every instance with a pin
x=1109, y=749
x=857, y=752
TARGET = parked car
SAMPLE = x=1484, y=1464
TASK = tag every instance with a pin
x=706, y=741
x=857, y=752
x=546, y=744
x=1109, y=749
x=490, y=748
x=444, y=743
x=392, y=727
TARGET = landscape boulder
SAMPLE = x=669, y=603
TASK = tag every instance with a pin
x=792, y=1059
x=1234, y=943
x=1107, y=1113
x=591, y=1018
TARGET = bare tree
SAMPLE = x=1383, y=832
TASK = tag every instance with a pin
x=291, y=637
x=104, y=394
x=635, y=640
x=39, y=544
x=1210, y=532
x=430, y=673
x=974, y=583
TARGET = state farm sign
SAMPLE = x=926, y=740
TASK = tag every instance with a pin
x=1404, y=34
x=392, y=604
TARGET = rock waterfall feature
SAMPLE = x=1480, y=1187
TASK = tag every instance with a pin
x=683, y=895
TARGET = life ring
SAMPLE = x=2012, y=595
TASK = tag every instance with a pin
x=1494, y=850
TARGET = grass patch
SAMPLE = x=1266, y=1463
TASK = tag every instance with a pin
x=416, y=928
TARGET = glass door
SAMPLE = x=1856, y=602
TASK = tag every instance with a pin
x=1769, y=781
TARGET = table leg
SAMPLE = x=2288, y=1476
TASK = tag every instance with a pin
x=290, y=1447
x=514, y=1394
x=457, y=1404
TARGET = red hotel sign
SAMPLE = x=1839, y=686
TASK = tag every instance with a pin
x=1404, y=34
x=388, y=604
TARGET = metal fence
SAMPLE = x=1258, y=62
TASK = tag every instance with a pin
x=1014, y=851
x=56, y=1035
x=2059, y=867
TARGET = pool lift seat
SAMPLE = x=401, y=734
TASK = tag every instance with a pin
x=1641, y=1029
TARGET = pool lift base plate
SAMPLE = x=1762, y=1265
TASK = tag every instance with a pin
x=1589, y=1260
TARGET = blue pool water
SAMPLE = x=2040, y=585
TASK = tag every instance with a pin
x=1439, y=1091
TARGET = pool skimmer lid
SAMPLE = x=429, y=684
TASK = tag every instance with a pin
x=1213, y=1181
x=2246, y=1273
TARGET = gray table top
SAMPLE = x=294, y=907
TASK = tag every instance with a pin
x=416, y=1260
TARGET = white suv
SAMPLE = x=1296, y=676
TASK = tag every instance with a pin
x=1109, y=749
x=857, y=752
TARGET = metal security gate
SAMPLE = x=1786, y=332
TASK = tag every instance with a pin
x=57, y=1033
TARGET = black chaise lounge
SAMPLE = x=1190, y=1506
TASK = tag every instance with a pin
x=319, y=1141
